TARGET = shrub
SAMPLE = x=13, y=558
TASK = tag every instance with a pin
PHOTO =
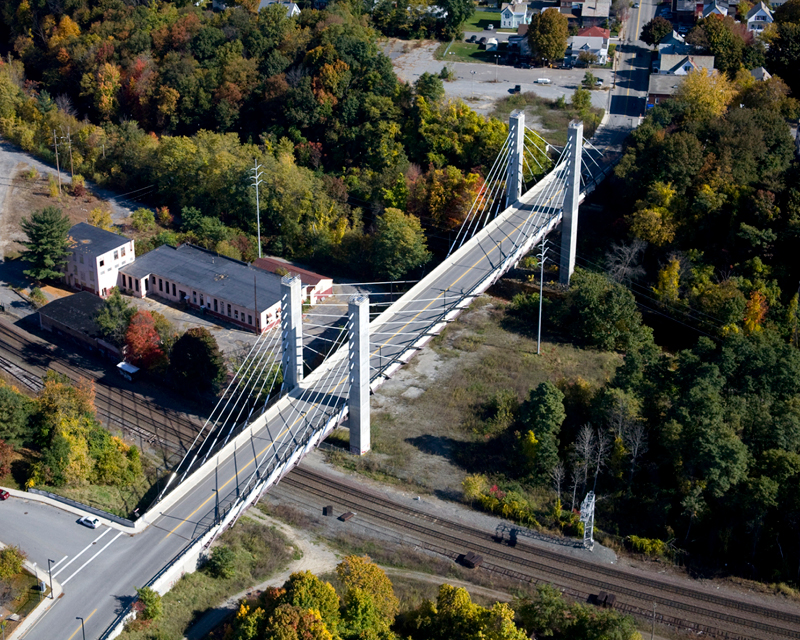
x=52, y=186
x=149, y=605
x=164, y=217
x=651, y=547
x=143, y=219
x=38, y=298
x=100, y=217
x=78, y=188
x=31, y=174
x=222, y=563
x=11, y=559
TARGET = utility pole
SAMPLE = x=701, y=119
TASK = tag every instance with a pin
x=542, y=257
x=58, y=170
x=653, y=628
x=50, y=573
x=256, y=178
x=69, y=142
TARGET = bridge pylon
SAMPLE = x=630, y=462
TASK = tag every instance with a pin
x=569, y=221
x=292, y=331
x=516, y=129
x=358, y=398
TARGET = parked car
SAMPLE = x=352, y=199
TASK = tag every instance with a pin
x=472, y=38
x=517, y=88
x=635, y=5
x=524, y=65
x=482, y=41
x=4, y=495
x=598, y=82
x=92, y=523
x=543, y=81
x=490, y=27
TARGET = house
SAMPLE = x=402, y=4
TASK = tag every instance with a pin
x=292, y=9
x=715, y=7
x=681, y=65
x=661, y=88
x=513, y=15
x=74, y=317
x=519, y=43
x=587, y=44
x=687, y=10
x=674, y=44
x=314, y=286
x=760, y=74
x=96, y=258
x=595, y=12
x=758, y=18
x=595, y=32
x=202, y=279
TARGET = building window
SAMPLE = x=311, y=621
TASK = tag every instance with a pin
x=160, y=284
x=81, y=258
x=215, y=304
x=236, y=314
x=194, y=297
x=102, y=263
x=249, y=319
x=173, y=289
x=229, y=311
x=201, y=300
x=123, y=280
x=74, y=268
x=147, y=284
x=123, y=251
x=137, y=285
x=116, y=255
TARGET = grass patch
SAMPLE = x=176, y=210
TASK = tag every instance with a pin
x=260, y=552
x=480, y=20
x=553, y=119
x=121, y=501
x=466, y=52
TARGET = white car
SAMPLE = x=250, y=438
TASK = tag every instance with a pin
x=92, y=523
x=635, y=5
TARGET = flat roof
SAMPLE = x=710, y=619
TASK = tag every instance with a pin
x=663, y=85
x=89, y=239
x=77, y=311
x=217, y=276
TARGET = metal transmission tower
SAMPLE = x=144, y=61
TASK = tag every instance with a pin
x=358, y=399
x=516, y=132
x=257, y=173
x=292, y=328
x=569, y=223
x=587, y=517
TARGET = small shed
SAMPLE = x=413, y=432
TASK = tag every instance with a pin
x=74, y=317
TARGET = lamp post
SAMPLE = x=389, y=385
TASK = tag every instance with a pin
x=473, y=83
x=83, y=629
x=496, y=66
x=50, y=573
x=542, y=257
x=257, y=173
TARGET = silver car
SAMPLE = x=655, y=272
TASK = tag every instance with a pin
x=92, y=523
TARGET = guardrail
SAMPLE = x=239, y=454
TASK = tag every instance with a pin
x=85, y=507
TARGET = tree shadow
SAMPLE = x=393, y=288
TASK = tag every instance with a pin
x=485, y=456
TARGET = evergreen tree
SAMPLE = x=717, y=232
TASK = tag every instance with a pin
x=542, y=414
x=197, y=363
x=48, y=244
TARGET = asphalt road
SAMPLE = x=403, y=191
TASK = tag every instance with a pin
x=99, y=573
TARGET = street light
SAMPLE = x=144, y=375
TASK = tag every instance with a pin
x=496, y=66
x=82, y=627
x=473, y=83
x=50, y=573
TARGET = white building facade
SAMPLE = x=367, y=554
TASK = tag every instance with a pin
x=513, y=15
x=97, y=256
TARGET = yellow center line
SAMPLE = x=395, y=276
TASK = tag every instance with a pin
x=79, y=627
x=455, y=282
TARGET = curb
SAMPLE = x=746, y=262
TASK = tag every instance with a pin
x=43, y=607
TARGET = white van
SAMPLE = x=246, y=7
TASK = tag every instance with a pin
x=543, y=81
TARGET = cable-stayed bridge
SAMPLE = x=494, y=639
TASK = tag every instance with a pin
x=274, y=411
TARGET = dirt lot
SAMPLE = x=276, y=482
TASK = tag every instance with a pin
x=427, y=426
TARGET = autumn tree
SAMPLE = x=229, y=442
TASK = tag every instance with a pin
x=547, y=35
x=366, y=587
x=101, y=217
x=444, y=196
x=705, y=95
x=656, y=30
x=47, y=245
x=143, y=341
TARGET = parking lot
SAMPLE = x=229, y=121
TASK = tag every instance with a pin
x=481, y=85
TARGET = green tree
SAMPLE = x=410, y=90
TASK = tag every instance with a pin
x=114, y=318
x=581, y=100
x=222, y=562
x=457, y=12
x=149, y=603
x=547, y=35
x=307, y=591
x=367, y=585
x=784, y=54
x=399, y=245
x=101, y=217
x=15, y=411
x=47, y=245
x=543, y=414
x=197, y=364
x=143, y=219
x=430, y=87
x=656, y=30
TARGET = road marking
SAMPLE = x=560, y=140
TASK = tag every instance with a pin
x=58, y=563
x=85, y=620
x=89, y=546
x=108, y=544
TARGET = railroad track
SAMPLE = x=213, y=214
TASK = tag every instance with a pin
x=387, y=511
x=118, y=407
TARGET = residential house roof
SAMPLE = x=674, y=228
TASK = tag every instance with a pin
x=663, y=85
x=77, y=312
x=203, y=270
x=89, y=239
x=596, y=8
x=758, y=8
x=522, y=30
x=685, y=6
x=677, y=64
x=516, y=8
x=273, y=264
x=595, y=32
x=760, y=74
x=587, y=43
x=719, y=7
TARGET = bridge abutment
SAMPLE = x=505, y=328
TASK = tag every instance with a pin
x=569, y=221
x=292, y=329
x=516, y=128
x=358, y=398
